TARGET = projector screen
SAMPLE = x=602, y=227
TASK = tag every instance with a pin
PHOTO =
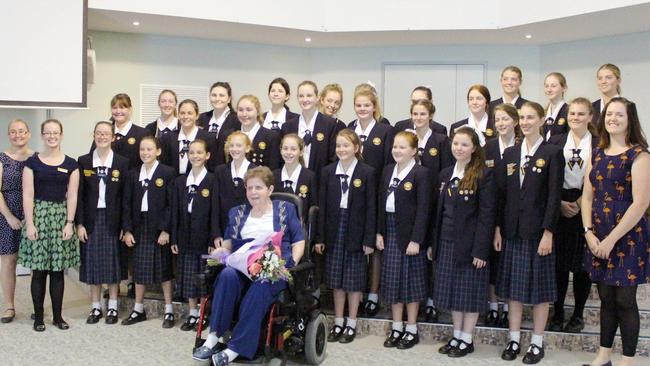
x=44, y=54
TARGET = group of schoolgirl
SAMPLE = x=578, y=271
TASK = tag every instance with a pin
x=389, y=198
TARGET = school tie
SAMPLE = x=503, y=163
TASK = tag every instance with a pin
x=288, y=184
x=453, y=184
x=525, y=165
x=575, y=159
x=118, y=136
x=307, y=138
x=165, y=131
x=393, y=186
x=214, y=129
x=185, y=149
x=549, y=120
x=237, y=181
x=102, y=173
x=145, y=185
x=344, y=184
x=275, y=126
x=420, y=151
x=363, y=139
x=191, y=193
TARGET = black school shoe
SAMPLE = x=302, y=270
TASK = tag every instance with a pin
x=449, y=346
x=135, y=317
x=190, y=323
x=94, y=316
x=370, y=308
x=430, y=315
x=111, y=316
x=393, y=339
x=408, y=340
x=348, y=335
x=492, y=318
x=575, y=325
x=534, y=354
x=510, y=353
x=168, y=321
x=335, y=333
x=503, y=321
x=457, y=351
x=555, y=325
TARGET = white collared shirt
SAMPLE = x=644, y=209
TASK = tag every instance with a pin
x=552, y=113
x=422, y=143
x=218, y=121
x=574, y=173
x=251, y=134
x=144, y=207
x=293, y=178
x=457, y=173
x=184, y=159
x=101, y=197
x=531, y=153
x=478, y=126
x=191, y=181
x=125, y=130
x=514, y=100
x=258, y=227
x=303, y=127
x=390, y=199
x=602, y=103
x=349, y=173
x=360, y=131
x=503, y=147
x=281, y=118
x=161, y=126
x=242, y=169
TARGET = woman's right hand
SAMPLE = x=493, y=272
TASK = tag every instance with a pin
x=592, y=242
x=32, y=233
x=129, y=240
x=569, y=209
x=319, y=248
x=82, y=234
x=497, y=239
x=380, y=242
x=13, y=222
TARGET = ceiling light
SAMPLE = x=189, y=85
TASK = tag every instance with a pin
x=529, y=36
x=136, y=23
x=307, y=39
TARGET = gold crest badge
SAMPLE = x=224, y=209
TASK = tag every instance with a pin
x=303, y=189
x=205, y=193
x=489, y=163
x=433, y=151
x=408, y=186
x=262, y=145
x=376, y=141
x=540, y=163
x=320, y=136
x=561, y=121
x=357, y=183
x=131, y=140
x=159, y=182
x=88, y=172
x=489, y=132
x=511, y=168
x=116, y=174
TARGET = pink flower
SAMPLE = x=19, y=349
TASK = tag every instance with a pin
x=255, y=269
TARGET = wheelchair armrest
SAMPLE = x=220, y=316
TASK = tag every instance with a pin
x=303, y=266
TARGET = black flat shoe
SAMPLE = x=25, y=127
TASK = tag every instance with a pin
x=335, y=333
x=449, y=346
x=457, y=351
x=8, y=316
x=190, y=323
x=61, y=324
x=492, y=318
x=39, y=326
x=510, y=353
x=555, y=325
x=348, y=335
x=168, y=321
x=393, y=338
x=135, y=317
x=430, y=315
x=370, y=308
x=533, y=355
x=575, y=325
x=111, y=316
x=408, y=340
x=94, y=316
x=503, y=321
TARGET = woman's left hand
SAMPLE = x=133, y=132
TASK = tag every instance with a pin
x=163, y=238
x=368, y=250
x=479, y=263
x=68, y=230
x=605, y=248
x=413, y=248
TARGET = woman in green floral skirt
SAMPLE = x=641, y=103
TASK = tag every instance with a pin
x=49, y=244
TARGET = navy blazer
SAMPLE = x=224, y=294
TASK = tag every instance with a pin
x=474, y=217
x=492, y=153
x=489, y=134
x=265, y=149
x=88, y=193
x=227, y=195
x=561, y=123
x=323, y=144
x=383, y=120
x=362, y=205
x=129, y=146
x=169, y=144
x=340, y=125
x=412, y=206
x=152, y=128
x=306, y=188
x=230, y=124
x=596, y=105
x=378, y=147
x=159, y=199
x=194, y=232
x=525, y=212
x=406, y=124
x=289, y=116
x=518, y=103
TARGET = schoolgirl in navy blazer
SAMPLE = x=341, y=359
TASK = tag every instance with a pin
x=323, y=141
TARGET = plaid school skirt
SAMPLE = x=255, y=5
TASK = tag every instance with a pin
x=524, y=275
x=189, y=264
x=344, y=270
x=459, y=287
x=101, y=254
x=403, y=277
x=152, y=263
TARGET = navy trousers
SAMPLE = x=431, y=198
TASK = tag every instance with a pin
x=254, y=298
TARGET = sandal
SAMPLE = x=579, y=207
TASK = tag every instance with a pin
x=6, y=318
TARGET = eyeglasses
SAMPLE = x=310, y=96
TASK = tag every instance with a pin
x=51, y=133
x=18, y=132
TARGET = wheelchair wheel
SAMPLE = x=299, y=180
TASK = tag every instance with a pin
x=316, y=340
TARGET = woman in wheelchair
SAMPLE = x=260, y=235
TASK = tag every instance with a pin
x=258, y=219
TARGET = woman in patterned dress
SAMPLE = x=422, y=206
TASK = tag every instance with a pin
x=614, y=201
x=49, y=244
x=11, y=210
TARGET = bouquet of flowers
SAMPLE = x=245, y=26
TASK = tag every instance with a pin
x=269, y=266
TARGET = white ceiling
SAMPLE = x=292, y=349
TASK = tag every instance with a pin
x=623, y=20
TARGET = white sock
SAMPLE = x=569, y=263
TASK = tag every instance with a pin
x=466, y=337
x=112, y=304
x=537, y=340
x=494, y=306
x=194, y=312
x=169, y=308
x=231, y=354
x=515, y=335
x=339, y=322
x=412, y=328
x=457, y=333
x=316, y=294
x=138, y=307
x=373, y=297
x=398, y=326
x=212, y=340
x=352, y=323
x=505, y=307
x=430, y=302
x=96, y=305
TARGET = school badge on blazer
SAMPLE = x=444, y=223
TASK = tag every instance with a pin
x=116, y=174
x=433, y=151
x=205, y=193
x=408, y=186
x=88, y=172
x=489, y=163
x=262, y=145
x=159, y=182
x=489, y=132
x=540, y=163
x=320, y=136
x=357, y=183
x=511, y=168
x=376, y=141
x=561, y=121
x=303, y=191
x=131, y=140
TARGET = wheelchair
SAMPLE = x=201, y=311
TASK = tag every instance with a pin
x=294, y=326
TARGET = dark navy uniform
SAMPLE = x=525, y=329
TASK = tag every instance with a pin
x=489, y=133
x=229, y=192
x=377, y=145
x=322, y=140
x=171, y=149
x=127, y=143
x=220, y=133
x=407, y=124
x=305, y=187
x=558, y=124
x=153, y=129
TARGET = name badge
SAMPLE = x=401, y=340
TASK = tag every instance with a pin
x=511, y=168
x=62, y=170
x=489, y=163
x=88, y=172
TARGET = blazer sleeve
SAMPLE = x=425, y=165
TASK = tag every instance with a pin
x=424, y=191
x=370, y=232
x=294, y=226
x=313, y=196
x=216, y=207
x=486, y=218
x=165, y=222
x=274, y=150
x=127, y=203
x=322, y=209
x=501, y=187
x=381, y=203
x=79, y=213
x=332, y=144
x=446, y=157
x=554, y=186
x=175, y=216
